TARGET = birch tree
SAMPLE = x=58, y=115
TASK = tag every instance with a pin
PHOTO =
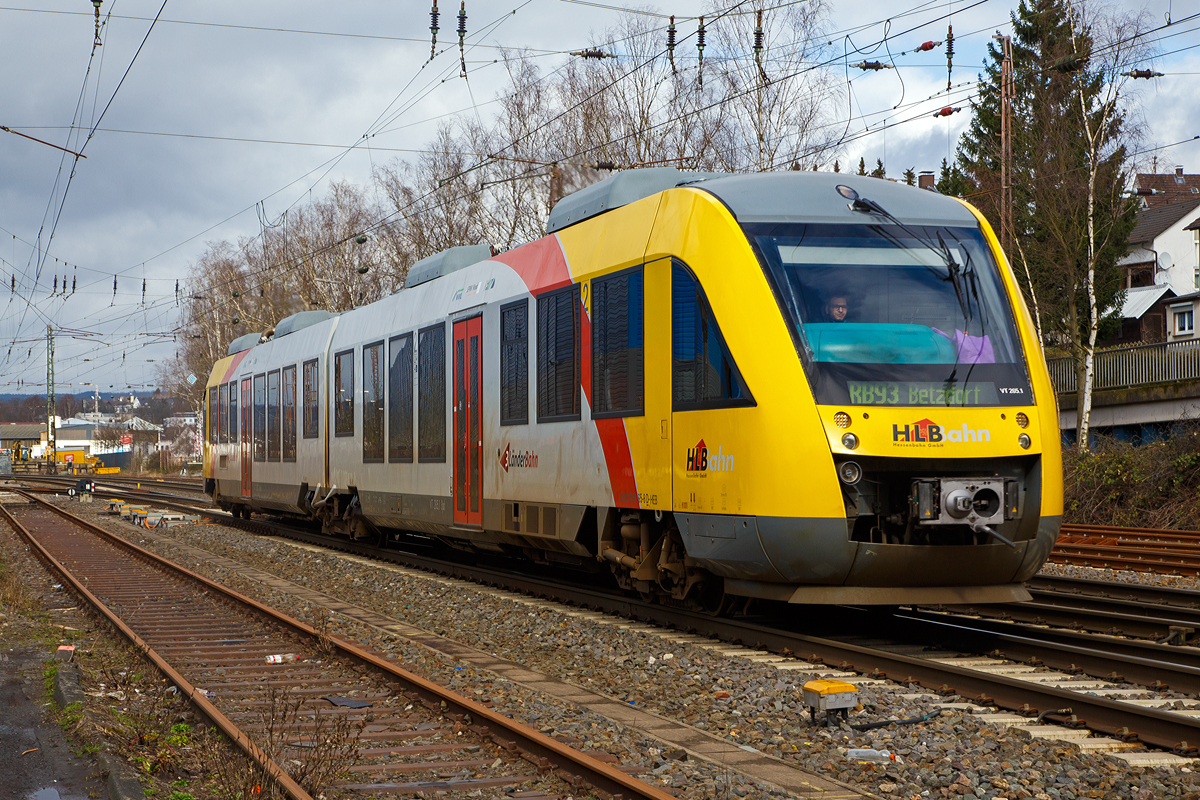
x=1071, y=134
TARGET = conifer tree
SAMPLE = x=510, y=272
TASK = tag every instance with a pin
x=910, y=176
x=862, y=167
x=952, y=182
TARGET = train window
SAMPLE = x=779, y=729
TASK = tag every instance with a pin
x=514, y=363
x=233, y=411
x=343, y=381
x=558, y=355
x=289, y=413
x=260, y=417
x=312, y=400
x=273, y=415
x=372, y=440
x=211, y=412
x=223, y=413
x=400, y=399
x=895, y=315
x=703, y=373
x=617, y=344
x=431, y=378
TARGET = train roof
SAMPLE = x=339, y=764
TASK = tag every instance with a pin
x=445, y=262
x=791, y=196
x=244, y=342
x=798, y=196
x=301, y=320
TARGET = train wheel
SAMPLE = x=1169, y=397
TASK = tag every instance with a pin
x=713, y=599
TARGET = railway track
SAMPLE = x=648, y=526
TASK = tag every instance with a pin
x=150, y=487
x=1140, y=549
x=286, y=693
x=906, y=649
x=1122, y=666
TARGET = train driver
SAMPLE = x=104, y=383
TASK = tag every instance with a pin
x=837, y=307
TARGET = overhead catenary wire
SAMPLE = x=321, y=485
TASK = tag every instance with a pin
x=889, y=126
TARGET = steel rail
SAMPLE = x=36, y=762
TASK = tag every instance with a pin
x=1125, y=558
x=136, y=491
x=1141, y=662
x=222, y=722
x=539, y=746
x=1151, y=726
x=1118, y=618
x=1172, y=596
x=1073, y=528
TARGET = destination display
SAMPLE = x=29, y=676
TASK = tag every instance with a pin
x=921, y=393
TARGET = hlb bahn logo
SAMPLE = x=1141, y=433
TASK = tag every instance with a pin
x=700, y=459
x=526, y=460
x=929, y=432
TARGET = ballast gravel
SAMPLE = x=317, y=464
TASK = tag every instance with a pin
x=954, y=755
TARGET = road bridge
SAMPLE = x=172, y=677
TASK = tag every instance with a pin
x=1140, y=391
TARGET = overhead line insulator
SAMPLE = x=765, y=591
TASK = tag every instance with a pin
x=434, y=14
x=1142, y=73
x=700, y=50
x=947, y=111
x=671, y=43
x=874, y=66
x=949, y=54
x=593, y=53
x=462, y=35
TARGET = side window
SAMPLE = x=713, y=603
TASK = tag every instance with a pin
x=233, y=411
x=260, y=417
x=373, y=402
x=223, y=414
x=210, y=412
x=558, y=355
x=703, y=374
x=343, y=382
x=400, y=399
x=431, y=413
x=273, y=415
x=289, y=413
x=312, y=400
x=514, y=363
x=617, y=372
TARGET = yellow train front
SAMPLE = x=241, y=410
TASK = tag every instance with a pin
x=797, y=386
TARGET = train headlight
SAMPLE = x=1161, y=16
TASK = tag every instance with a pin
x=841, y=419
x=850, y=473
x=1022, y=420
x=849, y=441
x=1024, y=441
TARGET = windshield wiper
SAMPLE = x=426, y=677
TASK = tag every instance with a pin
x=955, y=270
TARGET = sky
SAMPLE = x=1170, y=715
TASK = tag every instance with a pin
x=222, y=110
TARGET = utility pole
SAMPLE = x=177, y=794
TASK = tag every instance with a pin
x=1006, y=98
x=51, y=441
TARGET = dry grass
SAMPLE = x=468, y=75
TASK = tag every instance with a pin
x=1150, y=485
x=15, y=597
x=314, y=749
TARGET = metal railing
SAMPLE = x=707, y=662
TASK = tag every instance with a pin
x=1137, y=365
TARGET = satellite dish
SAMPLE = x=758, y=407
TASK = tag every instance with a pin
x=1165, y=262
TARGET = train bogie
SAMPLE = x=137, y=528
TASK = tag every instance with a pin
x=715, y=386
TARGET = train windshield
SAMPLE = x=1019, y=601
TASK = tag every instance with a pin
x=896, y=315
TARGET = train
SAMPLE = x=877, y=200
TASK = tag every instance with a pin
x=803, y=387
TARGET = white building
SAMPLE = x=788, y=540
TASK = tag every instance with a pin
x=1165, y=248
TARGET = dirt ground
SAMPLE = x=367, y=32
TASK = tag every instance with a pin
x=37, y=761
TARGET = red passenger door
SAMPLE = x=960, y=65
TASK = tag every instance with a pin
x=468, y=422
x=246, y=433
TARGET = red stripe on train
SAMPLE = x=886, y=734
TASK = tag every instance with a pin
x=543, y=266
